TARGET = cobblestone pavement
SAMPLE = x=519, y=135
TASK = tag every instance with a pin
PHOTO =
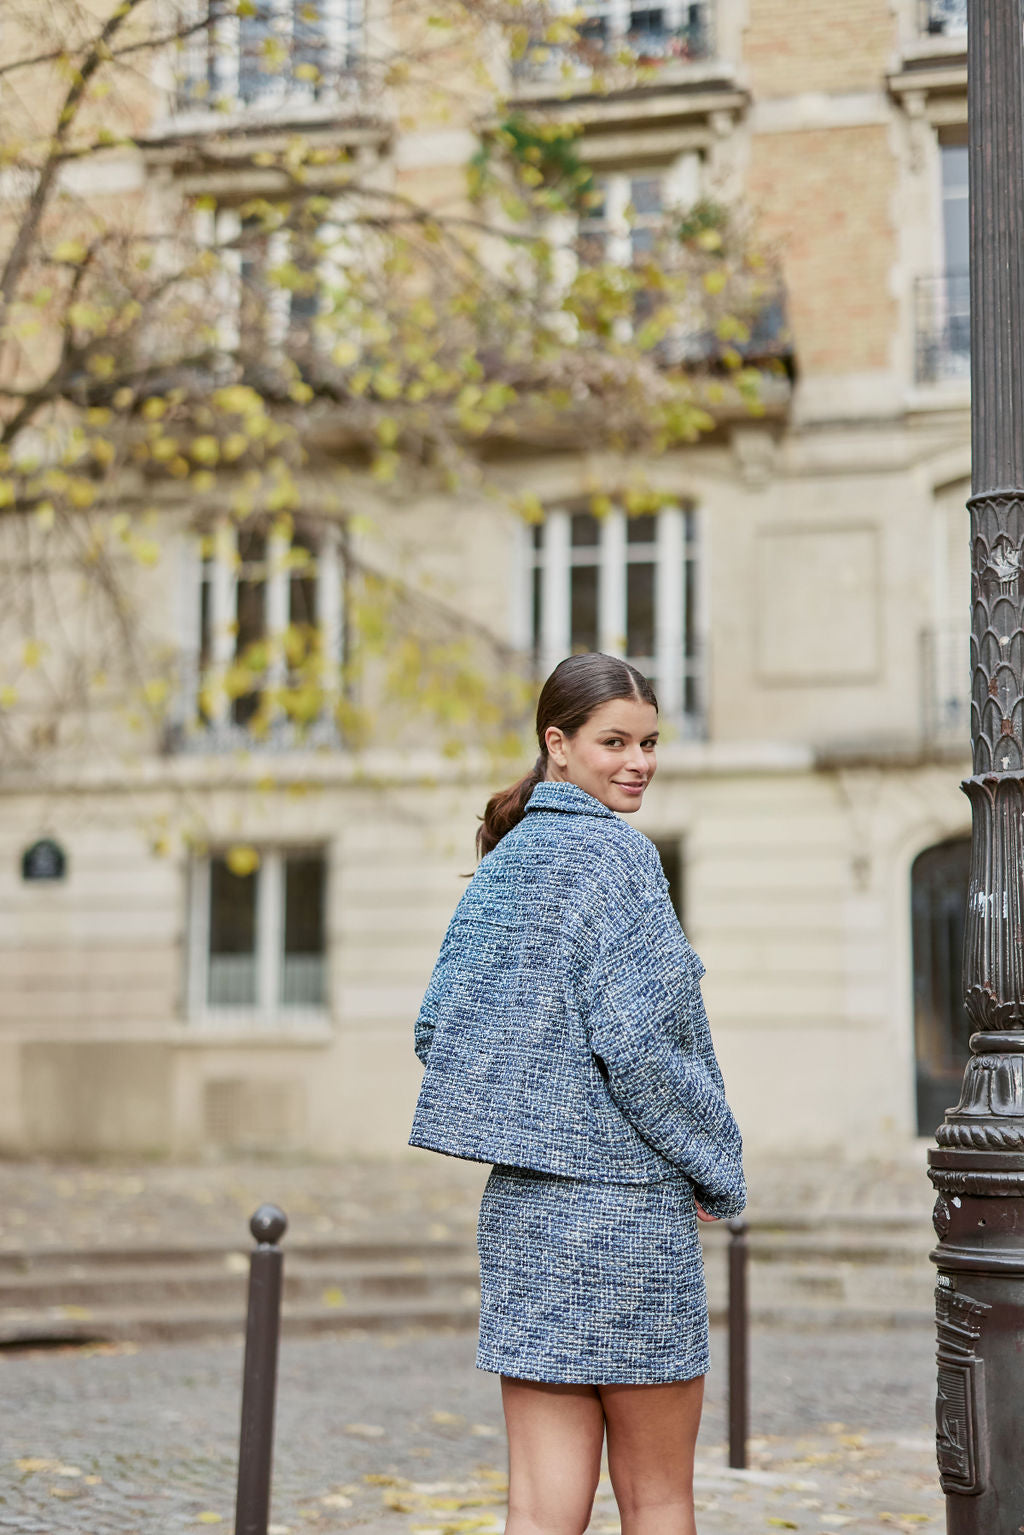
x=44, y=1204
x=401, y=1436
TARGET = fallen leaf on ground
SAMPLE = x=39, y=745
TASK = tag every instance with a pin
x=365, y=1430
x=336, y=1500
x=34, y=1463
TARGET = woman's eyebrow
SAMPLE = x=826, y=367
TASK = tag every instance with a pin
x=613, y=730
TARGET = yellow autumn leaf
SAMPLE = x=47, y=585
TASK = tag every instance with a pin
x=31, y=653
x=32, y=1463
x=8, y=696
x=45, y=515
x=209, y=1518
x=783, y=1524
x=333, y=1297
x=156, y=691
x=242, y=860
x=69, y=250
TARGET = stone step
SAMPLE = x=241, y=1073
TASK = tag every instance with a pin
x=180, y=1323
x=227, y=1281
x=804, y=1270
x=35, y=1260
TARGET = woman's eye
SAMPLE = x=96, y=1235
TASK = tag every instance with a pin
x=614, y=741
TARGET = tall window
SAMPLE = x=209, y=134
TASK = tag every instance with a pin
x=271, y=282
x=258, y=936
x=627, y=586
x=943, y=299
x=942, y=1030
x=263, y=661
x=268, y=52
x=622, y=220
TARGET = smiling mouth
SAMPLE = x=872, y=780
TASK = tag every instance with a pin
x=631, y=788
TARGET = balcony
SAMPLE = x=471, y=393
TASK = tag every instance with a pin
x=946, y=680
x=942, y=18
x=942, y=328
x=616, y=34
x=297, y=55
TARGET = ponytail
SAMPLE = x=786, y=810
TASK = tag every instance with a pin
x=507, y=808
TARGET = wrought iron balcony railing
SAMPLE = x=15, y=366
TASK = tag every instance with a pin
x=946, y=679
x=942, y=327
x=272, y=52
x=943, y=18
x=611, y=31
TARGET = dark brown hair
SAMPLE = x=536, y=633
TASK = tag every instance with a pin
x=577, y=686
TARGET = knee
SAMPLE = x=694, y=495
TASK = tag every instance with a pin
x=640, y=1501
x=545, y=1513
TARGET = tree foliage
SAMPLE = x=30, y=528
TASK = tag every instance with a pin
x=219, y=300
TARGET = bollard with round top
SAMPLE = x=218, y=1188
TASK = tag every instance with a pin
x=259, y=1384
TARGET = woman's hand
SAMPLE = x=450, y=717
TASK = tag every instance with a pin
x=702, y=1214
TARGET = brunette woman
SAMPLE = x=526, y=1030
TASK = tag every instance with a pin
x=565, y=1041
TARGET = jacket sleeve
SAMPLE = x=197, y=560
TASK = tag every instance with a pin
x=649, y=1028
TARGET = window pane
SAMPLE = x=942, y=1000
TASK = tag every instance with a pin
x=232, y=952
x=645, y=191
x=690, y=615
x=250, y=613
x=308, y=39
x=584, y=607
x=586, y=530
x=640, y=610
x=537, y=599
x=641, y=530
x=302, y=971
x=956, y=229
x=255, y=76
x=206, y=617
x=302, y=586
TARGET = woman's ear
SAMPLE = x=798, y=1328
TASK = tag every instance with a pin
x=554, y=739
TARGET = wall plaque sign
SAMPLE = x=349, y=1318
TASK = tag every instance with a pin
x=44, y=860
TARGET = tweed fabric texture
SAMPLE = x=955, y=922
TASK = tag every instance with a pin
x=563, y=1028
x=596, y=1283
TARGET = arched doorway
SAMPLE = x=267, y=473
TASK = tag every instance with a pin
x=942, y=1031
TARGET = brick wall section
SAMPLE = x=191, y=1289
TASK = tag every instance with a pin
x=818, y=45
x=823, y=197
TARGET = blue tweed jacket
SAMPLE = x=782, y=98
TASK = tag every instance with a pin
x=563, y=1028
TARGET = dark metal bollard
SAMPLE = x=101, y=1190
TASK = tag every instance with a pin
x=259, y=1384
x=739, y=1364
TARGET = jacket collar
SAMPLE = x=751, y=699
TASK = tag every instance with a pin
x=567, y=797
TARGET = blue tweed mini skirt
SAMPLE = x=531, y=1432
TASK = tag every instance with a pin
x=590, y=1283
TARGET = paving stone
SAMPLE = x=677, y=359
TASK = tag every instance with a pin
x=152, y=1434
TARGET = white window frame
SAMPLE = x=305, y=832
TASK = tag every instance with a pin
x=267, y=1013
x=216, y=730
x=673, y=671
x=344, y=24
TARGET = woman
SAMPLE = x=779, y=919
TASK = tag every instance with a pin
x=565, y=1040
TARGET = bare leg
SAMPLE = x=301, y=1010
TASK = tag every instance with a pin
x=555, y=1437
x=652, y=1434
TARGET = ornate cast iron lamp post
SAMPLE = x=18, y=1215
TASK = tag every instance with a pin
x=978, y=1168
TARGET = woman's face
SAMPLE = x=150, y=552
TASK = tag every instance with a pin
x=612, y=756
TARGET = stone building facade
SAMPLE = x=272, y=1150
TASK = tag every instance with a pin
x=801, y=603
